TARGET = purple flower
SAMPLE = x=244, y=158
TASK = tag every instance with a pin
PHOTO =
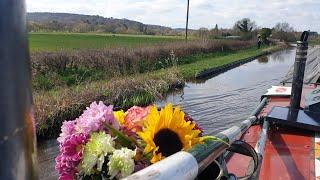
x=67, y=129
x=140, y=165
x=94, y=116
x=70, y=155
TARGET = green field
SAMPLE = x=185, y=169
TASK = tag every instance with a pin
x=58, y=41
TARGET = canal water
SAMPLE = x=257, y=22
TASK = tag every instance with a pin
x=226, y=99
x=216, y=104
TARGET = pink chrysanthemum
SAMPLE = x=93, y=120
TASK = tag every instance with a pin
x=67, y=129
x=70, y=155
x=66, y=177
x=134, y=118
x=94, y=116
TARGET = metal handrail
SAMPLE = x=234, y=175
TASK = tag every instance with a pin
x=187, y=165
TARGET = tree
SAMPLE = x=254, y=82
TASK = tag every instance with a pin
x=284, y=32
x=214, y=33
x=283, y=27
x=265, y=33
x=245, y=28
x=216, y=28
x=245, y=25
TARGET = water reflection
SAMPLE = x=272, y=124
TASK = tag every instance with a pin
x=263, y=59
x=281, y=56
x=47, y=151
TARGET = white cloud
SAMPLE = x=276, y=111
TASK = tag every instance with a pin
x=302, y=14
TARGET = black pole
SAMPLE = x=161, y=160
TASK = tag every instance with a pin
x=187, y=21
x=17, y=133
x=298, y=72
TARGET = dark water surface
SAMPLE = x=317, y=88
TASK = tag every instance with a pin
x=216, y=104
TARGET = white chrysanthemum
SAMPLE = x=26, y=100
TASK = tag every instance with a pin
x=100, y=145
x=121, y=163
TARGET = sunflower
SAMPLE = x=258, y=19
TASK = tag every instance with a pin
x=166, y=132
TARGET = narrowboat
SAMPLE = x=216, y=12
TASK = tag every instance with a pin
x=279, y=140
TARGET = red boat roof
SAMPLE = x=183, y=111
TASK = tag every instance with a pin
x=289, y=153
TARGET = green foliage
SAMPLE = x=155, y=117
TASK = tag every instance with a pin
x=41, y=81
x=314, y=40
x=77, y=23
x=142, y=98
x=76, y=76
x=189, y=70
x=68, y=77
x=245, y=28
x=265, y=33
x=121, y=138
x=245, y=25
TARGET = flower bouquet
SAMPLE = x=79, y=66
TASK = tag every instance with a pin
x=107, y=144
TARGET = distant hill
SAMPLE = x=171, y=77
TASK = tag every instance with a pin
x=43, y=21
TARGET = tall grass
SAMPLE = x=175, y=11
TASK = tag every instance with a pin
x=54, y=106
x=73, y=67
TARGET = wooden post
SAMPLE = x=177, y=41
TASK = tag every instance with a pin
x=17, y=133
x=298, y=72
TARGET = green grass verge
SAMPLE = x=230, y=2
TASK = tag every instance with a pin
x=189, y=71
x=58, y=41
x=314, y=42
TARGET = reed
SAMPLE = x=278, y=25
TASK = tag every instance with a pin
x=67, y=68
x=54, y=106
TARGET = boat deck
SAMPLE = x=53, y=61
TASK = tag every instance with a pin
x=290, y=153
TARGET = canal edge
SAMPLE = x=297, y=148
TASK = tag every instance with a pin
x=211, y=72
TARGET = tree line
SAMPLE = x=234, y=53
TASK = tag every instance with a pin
x=247, y=29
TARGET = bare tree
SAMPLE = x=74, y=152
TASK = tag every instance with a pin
x=284, y=26
x=283, y=31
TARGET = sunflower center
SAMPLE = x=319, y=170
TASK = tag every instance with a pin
x=168, y=142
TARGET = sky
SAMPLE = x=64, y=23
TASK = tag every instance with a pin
x=301, y=14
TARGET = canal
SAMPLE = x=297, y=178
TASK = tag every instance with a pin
x=216, y=104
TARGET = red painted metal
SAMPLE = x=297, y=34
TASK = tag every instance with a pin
x=289, y=152
x=238, y=164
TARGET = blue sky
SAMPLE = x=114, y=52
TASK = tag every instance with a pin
x=301, y=14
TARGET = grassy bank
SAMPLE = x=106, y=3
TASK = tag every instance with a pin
x=69, y=68
x=314, y=42
x=69, y=41
x=189, y=71
x=213, y=60
x=55, y=105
